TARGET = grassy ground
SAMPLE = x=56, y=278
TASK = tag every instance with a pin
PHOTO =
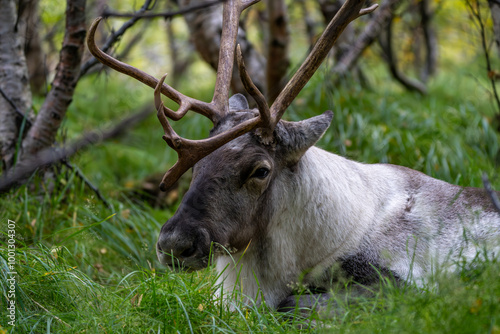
x=84, y=267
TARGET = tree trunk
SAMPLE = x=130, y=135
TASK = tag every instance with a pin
x=495, y=15
x=30, y=19
x=407, y=82
x=14, y=81
x=205, y=27
x=44, y=130
x=277, y=60
x=431, y=44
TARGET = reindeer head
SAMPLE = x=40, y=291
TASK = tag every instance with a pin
x=230, y=198
x=236, y=169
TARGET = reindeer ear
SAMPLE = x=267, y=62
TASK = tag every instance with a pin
x=238, y=102
x=295, y=138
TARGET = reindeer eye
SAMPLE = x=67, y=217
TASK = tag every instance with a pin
x=261, y=173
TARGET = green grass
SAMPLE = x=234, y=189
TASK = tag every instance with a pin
x=87, y=268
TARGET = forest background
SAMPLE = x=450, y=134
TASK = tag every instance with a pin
x=86, y=203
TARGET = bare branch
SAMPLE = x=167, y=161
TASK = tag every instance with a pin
x=49, y=156
x=372, y=30
x=476, y=14
x=164, y=15
x=114, y=37
x=87, y=182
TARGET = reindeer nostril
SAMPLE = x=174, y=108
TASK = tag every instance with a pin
x=188, y=252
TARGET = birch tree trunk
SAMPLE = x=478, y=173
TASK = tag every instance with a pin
x=44, y=130
x=14, y=81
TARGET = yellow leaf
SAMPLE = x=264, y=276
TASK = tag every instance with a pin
x=129, y=184
x=476, y=306
x=125, y=213
x=200, y=307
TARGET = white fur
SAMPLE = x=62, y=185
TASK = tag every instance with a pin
x=326, y=209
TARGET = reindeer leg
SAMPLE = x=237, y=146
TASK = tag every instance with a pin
x=325, y=304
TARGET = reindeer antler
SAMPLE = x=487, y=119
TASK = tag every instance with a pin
x=200, y=107
x=191, y=151
x=350, y=10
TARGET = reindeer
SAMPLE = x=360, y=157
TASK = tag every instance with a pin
x=280, y=209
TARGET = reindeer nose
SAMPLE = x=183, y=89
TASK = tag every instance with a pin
x=175, y=247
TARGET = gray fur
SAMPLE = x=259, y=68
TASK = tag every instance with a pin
x=238, y=102
x=317, y=217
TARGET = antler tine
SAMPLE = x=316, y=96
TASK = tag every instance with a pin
x=191, y=151
x=350, y=10
x=203, y=108
x=184, y=105
x=250, y=87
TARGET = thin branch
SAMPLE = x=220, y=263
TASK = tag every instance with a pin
x=491, y=193
x=49, y=156
x=482, y=30
x=114, y=37
x=165, y=15
x=87, y=182
x=371, y=31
